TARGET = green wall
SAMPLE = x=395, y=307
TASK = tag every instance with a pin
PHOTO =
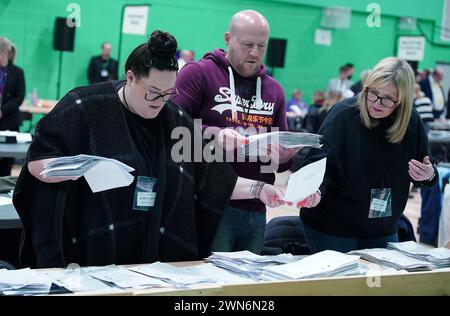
x=200, y=24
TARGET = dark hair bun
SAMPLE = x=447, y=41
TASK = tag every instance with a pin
x=162, y=44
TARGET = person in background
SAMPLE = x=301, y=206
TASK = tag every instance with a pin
x=341, y=84
x=296, y=111
x=375, y=146
x=313, y=122
x=12, y=94
x=432, y=88
x=231, y=89
x=171, y=210
x=104, y=67
x=296, y=105
x=356, y=87
x=186, y=56
x=423, y=106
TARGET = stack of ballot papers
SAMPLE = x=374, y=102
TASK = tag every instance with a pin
x=125, y=278
x=257, y=144
x=438, y=257
x=249, y=265
x=392, y=258
x=326, y=263
x=23, y=282
x=180, y=277
x=100, y=173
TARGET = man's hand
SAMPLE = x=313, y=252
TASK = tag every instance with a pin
x=229, y=139
x=281, y=155
x=271, y=196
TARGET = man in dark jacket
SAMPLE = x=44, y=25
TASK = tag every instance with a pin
x=12, y=93
x=103, y=67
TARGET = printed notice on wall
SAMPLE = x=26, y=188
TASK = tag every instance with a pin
x=135, y=20
x=322, y=37
x=411, y=47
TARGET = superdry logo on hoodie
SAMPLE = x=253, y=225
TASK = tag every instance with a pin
x=243, y=105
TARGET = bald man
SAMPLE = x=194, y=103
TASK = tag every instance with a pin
x=230, y=89
x=103, y=67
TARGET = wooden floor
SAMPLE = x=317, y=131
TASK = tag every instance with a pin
x=412, y=210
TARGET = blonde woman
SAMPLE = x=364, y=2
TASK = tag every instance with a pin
x=377, y=146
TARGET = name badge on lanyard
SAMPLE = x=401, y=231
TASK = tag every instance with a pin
x=380, y=203
x=145, y=193
x=104, y=73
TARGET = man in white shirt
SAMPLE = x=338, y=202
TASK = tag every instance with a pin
x=432, y=88
x=341, y=84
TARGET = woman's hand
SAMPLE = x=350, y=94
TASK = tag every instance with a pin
x=271, y=196
x=310, y=201
x=419, y=171
x=37, y=166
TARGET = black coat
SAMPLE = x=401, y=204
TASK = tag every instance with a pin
x=95, y=68
x=65, y=222
x=13, y=96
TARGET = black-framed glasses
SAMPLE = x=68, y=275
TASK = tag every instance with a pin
x=373, y=97
x=153, y=95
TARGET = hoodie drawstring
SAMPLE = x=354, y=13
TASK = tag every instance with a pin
x=258, y=101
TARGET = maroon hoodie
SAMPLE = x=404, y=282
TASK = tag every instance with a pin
x=206, y=91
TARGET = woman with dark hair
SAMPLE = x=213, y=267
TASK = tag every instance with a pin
x=131, y=121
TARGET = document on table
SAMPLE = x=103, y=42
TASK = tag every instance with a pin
x=305, y=181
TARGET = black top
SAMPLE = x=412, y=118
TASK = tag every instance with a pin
x=12, y=98
x=101, y=70
x=360, y=159
x=65, y=222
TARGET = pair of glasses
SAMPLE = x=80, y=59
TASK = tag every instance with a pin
x=386, y=102
x=153, y=95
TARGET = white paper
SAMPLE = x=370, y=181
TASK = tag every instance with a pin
x=5, y=200
x=135, y=20
x=305, y=181
x=107, y=175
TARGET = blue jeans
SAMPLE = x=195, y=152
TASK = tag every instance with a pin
x=318, y=241
x=240, y=230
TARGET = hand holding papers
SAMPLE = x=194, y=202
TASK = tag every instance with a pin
x=258, y=144
x=100, y=173
x=305, y=181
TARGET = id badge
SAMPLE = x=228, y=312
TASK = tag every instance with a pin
x=104, y=73
x=145, y=193
x=380, y=203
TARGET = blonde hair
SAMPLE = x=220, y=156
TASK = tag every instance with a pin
x=333, y=98
x=397, y=72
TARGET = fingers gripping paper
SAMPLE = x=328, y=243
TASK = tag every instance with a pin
x=305, y=181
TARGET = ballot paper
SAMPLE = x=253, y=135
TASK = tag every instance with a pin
x=176, y=276
x=100, y=173
x=125, y=278
x=392, y=258
x=257, y=144
x=23, y=282
x=438, y=257
x=326, y=263
x=305, y=181
x=15, y=137
x=5, y=200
